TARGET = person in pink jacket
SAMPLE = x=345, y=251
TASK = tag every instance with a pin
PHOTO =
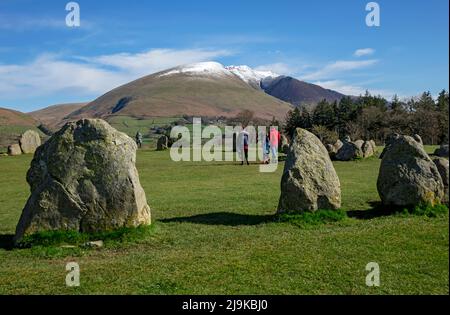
x=275, y=138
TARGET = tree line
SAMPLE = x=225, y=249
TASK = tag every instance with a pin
x=371, y=117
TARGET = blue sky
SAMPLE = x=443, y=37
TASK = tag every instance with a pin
x=44, y=62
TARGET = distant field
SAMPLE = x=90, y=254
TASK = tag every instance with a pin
x=215, y=235
x=131, y=126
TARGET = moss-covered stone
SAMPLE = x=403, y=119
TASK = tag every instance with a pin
x=84, y=179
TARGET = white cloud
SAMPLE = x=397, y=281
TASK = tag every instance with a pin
x=50, y=74
x=338, y=67
x=155, y=60
x=364, y=52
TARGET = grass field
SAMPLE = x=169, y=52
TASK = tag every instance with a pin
x=214, y=233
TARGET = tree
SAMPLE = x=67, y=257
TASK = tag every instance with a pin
x=324, y=134
x=297, y=118
x=346, y=112
x=426, y=102
x=245, y=117
x=323, y=115
x=443, y=116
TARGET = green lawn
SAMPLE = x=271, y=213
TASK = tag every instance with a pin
x=214, y=234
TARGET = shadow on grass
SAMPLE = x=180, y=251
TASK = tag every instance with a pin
x=377, y=210
x=6, y=241
x=224, y=218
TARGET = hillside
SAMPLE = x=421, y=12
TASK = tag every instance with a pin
x=9, y=117
x=205, y=89
x=299, y=92
x=53, y=115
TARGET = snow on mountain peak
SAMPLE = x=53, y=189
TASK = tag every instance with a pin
x=207, y=68
x=249, y=75
x=211, y=68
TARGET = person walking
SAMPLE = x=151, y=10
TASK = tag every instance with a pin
x=275, y=138
x=139, y=139
x=243, y=146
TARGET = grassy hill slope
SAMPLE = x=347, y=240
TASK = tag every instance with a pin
x=54, y=115
x=183, y=94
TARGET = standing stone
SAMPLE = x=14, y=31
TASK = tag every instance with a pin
x=442, y=151
x=389, y=139
x=374, y=146
x=349, y=151
x=407, y=176
x=84, y=179
x=367, y=149
x=338, y=145
x=14, y=149
x=30, y=141
x=163, y=143
x=359, y=143
x=442, y=165
x=309, y=181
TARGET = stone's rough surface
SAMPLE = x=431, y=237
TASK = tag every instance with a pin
x=367, y=149
x=84, y=179
x=418, y=139
x=359, y=143
x=407, y=176
x=163, y=143
x=389, y=140
x=14, y=149
x=309, y=181
x=374, y=146
x=442, y=165
x=30, y=141
x=349, y=151
x=442, y=151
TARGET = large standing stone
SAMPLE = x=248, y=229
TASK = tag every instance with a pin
x=442, y=165
x=84, y=179
x=407, y=176
x=309, y=181
x=163, y=143
x=14, y=149
x=30, y=141
x=442, y=151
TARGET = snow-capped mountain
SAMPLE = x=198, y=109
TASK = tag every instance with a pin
x=251, y=76
x=210, y=68
x=206, y=89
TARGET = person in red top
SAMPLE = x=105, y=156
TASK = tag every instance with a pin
x=275, y=138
